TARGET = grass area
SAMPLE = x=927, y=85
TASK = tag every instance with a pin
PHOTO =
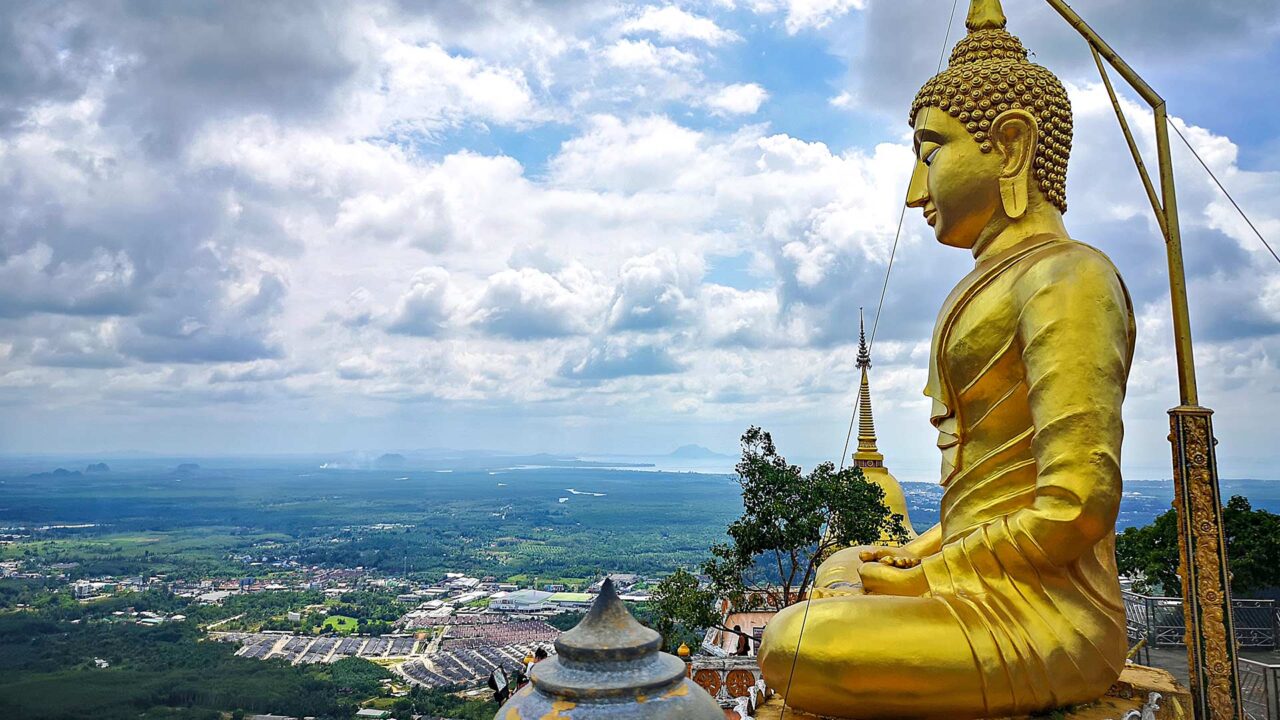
x=341, y=623
x=203, y=548
x=524, y=579
x=382, y=703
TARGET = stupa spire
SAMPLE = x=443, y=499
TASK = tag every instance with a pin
x=985, y=15
x=868, y=456
x=866, y=423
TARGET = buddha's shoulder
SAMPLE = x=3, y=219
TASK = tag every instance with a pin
x=1067, y=259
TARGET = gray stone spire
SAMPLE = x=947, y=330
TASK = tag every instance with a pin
x=610, y=667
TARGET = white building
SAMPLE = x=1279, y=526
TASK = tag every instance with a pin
x=523, y=601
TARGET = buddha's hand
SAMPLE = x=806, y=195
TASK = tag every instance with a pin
x=839, y=589
x=893, y=556
x=902, y=576
x=839, y=573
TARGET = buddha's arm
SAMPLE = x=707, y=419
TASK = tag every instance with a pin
x=1075, y=331
x=928, y=543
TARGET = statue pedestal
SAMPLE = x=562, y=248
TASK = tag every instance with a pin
x=1130, y=692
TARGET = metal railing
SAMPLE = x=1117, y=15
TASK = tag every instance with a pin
x=1260, y=690
x=1161, y=621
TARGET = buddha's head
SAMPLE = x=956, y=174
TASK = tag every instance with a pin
x=992, y=135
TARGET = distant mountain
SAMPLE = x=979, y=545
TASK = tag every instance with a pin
x=99, y=467
x=389, y=461
x=696, y=452
x=58, y=473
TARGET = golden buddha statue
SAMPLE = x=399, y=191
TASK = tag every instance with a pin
x=1011, y=604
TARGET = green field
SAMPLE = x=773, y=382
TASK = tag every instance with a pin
x=341, y=624
x=231, y=522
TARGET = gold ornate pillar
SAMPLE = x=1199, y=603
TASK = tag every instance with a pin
x=1202, y=546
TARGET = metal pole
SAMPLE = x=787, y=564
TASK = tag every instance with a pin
x=1177, y=275
x=1273, y=694
x=1112, y=56
x=1152, y=195
x=1152, y=631
x=1206, y=591
x=1275, y=629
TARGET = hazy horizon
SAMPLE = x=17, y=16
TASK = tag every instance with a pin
x=421, y=460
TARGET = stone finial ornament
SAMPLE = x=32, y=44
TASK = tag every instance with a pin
x=610, y=667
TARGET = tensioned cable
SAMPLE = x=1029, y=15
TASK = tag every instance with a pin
x=875, y=324
x=893, y=253
x=1218, y=182
x=942, y=56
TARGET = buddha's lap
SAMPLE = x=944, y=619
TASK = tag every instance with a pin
x=889, y=630
x=871, y=651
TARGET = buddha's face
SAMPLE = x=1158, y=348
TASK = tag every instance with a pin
x=954, y=182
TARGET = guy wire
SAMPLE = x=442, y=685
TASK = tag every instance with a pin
x=1218, y=182
x=875, y=324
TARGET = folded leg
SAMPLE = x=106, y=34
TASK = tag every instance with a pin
x=874, y=656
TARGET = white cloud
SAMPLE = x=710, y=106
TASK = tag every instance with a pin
x=521, y=211
x=738, y=99
x=425, y=308
x=674, y=24
x=652, y=153
x=530, y=304
x=747, y=318
x=807, y=14
x=617, y=358
x=424, y=86
x=100, y=284
x=644, y=55
x=656, y=291
x=844, y=100
x=358, y=367
x=802, y=14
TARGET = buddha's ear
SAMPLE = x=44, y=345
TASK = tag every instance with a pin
x=1014, y=135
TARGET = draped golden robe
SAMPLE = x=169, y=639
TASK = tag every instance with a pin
x=1031, y=354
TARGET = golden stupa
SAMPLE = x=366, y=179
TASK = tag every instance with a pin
x=868, y=457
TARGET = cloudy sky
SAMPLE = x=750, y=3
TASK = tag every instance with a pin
x=244, y=227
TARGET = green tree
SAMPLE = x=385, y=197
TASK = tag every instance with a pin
x=681, y=608
x=791, y=522
x=1253, y=547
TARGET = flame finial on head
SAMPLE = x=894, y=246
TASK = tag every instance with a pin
x=985, y=15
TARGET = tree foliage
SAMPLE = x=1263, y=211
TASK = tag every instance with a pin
x=443, y=702
x=681, y=607
x=357, y=676
x=791, y=522
x=1253, y=548
x=47, y=672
